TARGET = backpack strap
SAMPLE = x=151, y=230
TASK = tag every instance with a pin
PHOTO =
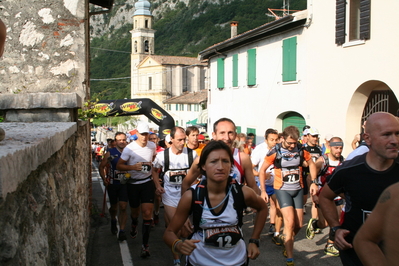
x=166, y=160
x=190, y=157
x=198, y=196
x=238, y=165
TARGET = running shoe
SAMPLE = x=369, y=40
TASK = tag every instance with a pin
x=304, y=209
x=310, y=231
x=330, y=250
x=290, y=263
x=317, y=231
x=156, y=219
x=272, y=229
x=278, y=240
x=285, y=253
x=176, y=263
x=122, y=236
x=145, y=251
x=133, y=232
x=114, y=229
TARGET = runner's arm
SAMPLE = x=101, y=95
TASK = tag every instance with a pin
x=249, y=175
x=254, y=201
x=262, y=179
x=327, y=206
x=155, y=176
x=314, y=188
x=191, y=176
x=102, y=168
x=122, y=166
x=170, y=236
x=367, y=239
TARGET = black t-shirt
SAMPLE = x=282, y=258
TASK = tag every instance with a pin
x=362, y=187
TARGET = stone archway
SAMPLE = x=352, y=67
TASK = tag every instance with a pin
x=370, y=97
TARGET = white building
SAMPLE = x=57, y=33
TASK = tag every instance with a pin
x=329, y=67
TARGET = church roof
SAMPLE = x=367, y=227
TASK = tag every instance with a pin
x=176, y=60
x=189, y=97
x=142, y=7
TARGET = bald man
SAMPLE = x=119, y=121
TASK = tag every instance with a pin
x=362, y=180
x=379, y=227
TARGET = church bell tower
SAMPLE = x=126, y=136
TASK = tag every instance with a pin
x=142, y=39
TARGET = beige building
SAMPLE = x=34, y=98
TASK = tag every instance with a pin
x=160, y=77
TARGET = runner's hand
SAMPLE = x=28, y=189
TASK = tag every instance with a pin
x=340, y=242
x=187, y=246
x=314, y=188
x=253, y=251
x=264, y=196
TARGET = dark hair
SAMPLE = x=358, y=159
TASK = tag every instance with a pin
x=210, y=147
x=291, y=131
x=250, y=135
x=305, y=127
x=270, y=131
x=119, y=133
x=224, y=119
x=191, y=129
x=174, y=130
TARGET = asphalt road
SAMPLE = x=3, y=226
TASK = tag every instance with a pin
x=105, y=249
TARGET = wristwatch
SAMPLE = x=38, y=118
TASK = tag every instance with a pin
x=255, y=241
x=332, y=232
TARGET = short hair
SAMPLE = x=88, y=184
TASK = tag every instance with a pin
x=242, y=135
x=336, y=139
x=119, y=133
x=174, y=130
x=210, y=147
x=250, y=135
x=305, y=127
x=223, y=119
x=191, y=129
x=291, y=131
x=270, y=131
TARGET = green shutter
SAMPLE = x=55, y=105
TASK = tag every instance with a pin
x=220, y=73
x=251, y=67
x=238, y=129
x=235, y=70
x=289, y=59
x=251, y=130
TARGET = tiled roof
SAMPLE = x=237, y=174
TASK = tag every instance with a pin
x=189, y=97
x=176, y=60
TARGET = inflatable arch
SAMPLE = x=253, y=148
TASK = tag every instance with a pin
x=139, y=106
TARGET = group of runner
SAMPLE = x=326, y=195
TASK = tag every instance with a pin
x=281, y=171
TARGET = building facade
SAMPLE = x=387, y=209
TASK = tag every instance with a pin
x=329, y=67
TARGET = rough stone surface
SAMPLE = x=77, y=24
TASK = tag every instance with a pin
x=26, y=146
x=45, y=47
x=40, y=101
x=45, y=219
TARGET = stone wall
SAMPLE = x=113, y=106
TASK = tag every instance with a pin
x=46, y=47
x=45, y=220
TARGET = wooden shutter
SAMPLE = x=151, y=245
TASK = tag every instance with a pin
x=220, y=81
x=235, y=70
x=364, y=20
x=289, y=59
x=340, y=17
x=251, y=67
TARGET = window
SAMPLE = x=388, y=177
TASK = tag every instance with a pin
x=196, y=107
x=146, y=24
x=251, y=67
x=181, y=107
x=289, y=59
x=177, y=107
x=146, y=47
x=149, y=83
x=358, y=20
x=135, y=46
x=235, y=70
x=251, y=130
x=220, y=71
x=189, y=107
x=238, y=129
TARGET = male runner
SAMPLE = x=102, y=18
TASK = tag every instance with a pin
x=137, y=158
x=326, y=165
x=362, y=180
x=117, y=192
x=224, y=129
x=192, y=134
